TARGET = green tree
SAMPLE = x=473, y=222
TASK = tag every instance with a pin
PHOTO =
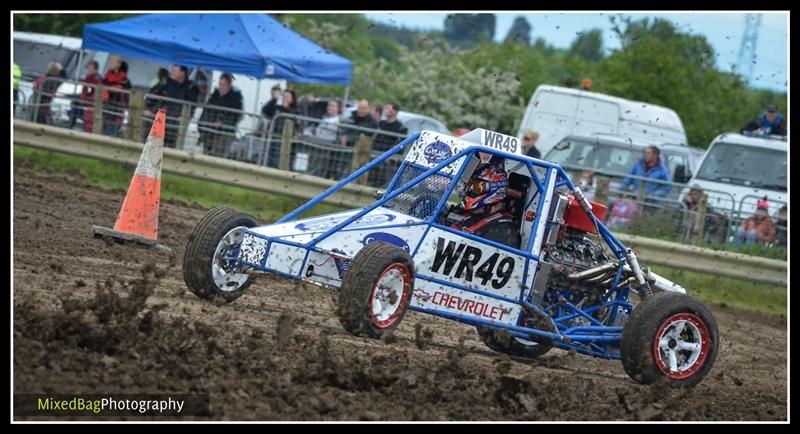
x=468, y=30
x=520, y=32
x=61, y=24
x=588, y=45
x=661, y=65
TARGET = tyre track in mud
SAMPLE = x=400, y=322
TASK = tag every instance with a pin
x=96, y=317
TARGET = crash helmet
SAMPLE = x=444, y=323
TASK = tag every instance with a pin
x=487, y=186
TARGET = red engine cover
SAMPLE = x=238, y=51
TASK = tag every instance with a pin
x=576, y=218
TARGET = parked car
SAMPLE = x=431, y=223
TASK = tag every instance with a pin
x=556, y=112
x=739, y=170
x=615, y=156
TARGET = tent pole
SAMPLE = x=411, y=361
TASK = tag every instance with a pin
x=78, y=67
x=258, y=95
x=346, y=93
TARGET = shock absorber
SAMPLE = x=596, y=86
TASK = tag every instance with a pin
x=644, y=287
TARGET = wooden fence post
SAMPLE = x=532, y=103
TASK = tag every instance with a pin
x=286, y=144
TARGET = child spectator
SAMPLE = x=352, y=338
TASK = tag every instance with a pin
x=93, y=77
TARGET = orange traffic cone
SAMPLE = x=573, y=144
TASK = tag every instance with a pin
x=138, y=218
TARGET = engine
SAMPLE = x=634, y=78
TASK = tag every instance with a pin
x=576, y=266
x=572, y=254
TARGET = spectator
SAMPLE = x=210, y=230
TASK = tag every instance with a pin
x=17, y=76
x=529, y=144
x=586, y=183
x=781, y=227
x=44, y=88
x=218, y=127
x=377, y=112
x=177, y=86
x=769, y=122
x=757, y=227
x=114, y=101
x=649, y=166
x=306, y=102
x=384, y=141
x=201, y=81
x=622, y=211
x=361, y=117
x=268, y=110
x=94, y=78
x=159, y=81
x=324, y=160
x=326, y=130
x=715, y=224
x=289, y=106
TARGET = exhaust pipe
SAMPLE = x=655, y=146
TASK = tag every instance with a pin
x=592, y=272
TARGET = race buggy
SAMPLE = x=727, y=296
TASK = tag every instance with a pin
x=537, y=270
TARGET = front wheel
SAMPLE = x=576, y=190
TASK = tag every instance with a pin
x=669, y=337
x=376, y=290
x=208, y=269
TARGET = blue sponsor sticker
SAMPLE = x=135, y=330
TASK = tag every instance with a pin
x=437, y=152
x=324, y=223
x=386, y=238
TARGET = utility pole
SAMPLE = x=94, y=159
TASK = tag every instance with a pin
x=747, y=51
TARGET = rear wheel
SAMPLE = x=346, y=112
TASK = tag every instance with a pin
x=669, y=337
x=376, y=290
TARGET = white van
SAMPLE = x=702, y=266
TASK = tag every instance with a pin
x=737, y=171
x=556, y=112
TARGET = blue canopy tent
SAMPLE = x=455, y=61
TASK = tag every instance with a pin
x=252, y=44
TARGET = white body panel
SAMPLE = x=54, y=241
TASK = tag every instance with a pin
x=448, y=257
x=441, y=298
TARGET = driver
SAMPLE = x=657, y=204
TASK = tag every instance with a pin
x=486, y=188
x=484, y=196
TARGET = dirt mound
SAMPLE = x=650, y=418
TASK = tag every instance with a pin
x=91, y=317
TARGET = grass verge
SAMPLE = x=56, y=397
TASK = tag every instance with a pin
x=735, y=293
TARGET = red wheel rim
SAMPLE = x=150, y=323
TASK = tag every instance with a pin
x=387, y=283
x=686, y=336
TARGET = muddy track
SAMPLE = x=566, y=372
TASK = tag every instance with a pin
x=106, y=318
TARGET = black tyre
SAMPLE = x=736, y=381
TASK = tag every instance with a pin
x=207, y=274
x=669, y=337
x=376, y=290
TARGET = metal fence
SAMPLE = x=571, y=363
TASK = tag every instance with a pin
x=308, y=145
x=670, y=210
x=286, y=141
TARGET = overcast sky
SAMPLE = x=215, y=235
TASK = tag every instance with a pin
x=723, y=31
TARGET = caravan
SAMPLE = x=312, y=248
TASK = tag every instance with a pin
x=556, y=112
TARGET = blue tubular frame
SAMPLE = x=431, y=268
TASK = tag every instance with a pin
x=355, y=175
x=594, y=339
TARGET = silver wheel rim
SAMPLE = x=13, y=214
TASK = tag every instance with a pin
x=676, y=352
x=388, y=295
x=227, y=280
